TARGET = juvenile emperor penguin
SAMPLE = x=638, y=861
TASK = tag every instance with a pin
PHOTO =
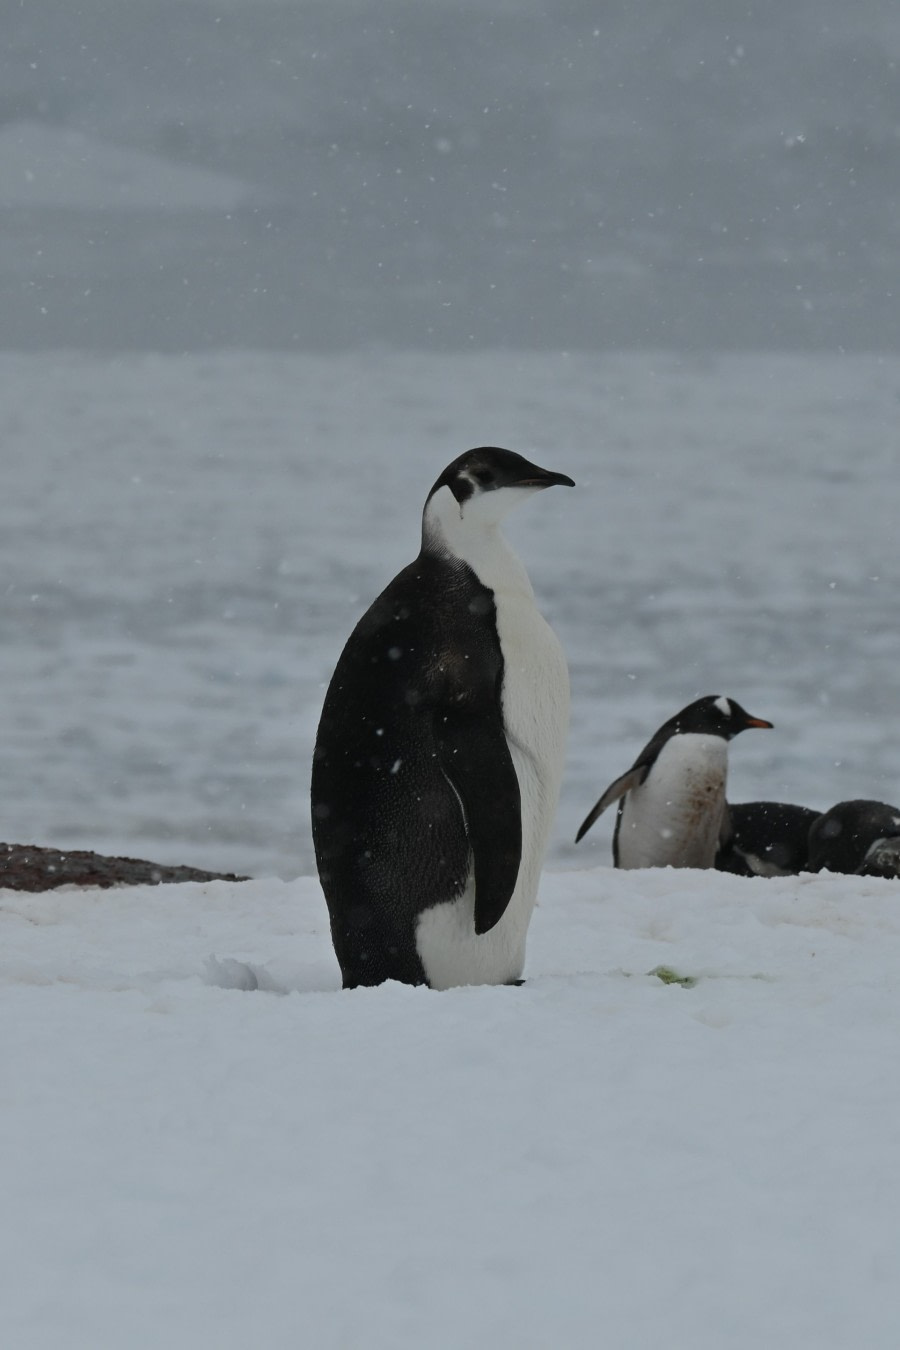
x=672, y=799
x=440, y=749
x=859, y=837
x=765, y=839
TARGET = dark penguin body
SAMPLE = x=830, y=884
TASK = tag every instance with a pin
x=386, y=813
x=857, y=837
x=765, y=839
x=672, y=799
x=439, y=752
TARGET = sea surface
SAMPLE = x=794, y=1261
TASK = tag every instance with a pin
x=187, y=541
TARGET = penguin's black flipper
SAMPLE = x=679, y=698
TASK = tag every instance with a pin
x=474, y=755
x=632, y=779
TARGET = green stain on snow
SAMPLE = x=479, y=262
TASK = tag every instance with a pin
x=670, y=976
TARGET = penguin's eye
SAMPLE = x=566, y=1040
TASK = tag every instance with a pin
x=483, y=476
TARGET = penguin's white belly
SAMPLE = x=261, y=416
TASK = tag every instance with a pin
x=673, y=819
x=536, y=718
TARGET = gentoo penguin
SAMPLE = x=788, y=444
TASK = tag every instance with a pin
x=439, y=754
x=860, y=837
x=672, y=799
x=765, y=839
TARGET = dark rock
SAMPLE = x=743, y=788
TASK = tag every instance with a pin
x=26, y=867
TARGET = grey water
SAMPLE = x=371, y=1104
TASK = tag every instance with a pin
x=187, y=541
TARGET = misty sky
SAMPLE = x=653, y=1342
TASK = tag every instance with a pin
x=441, y=174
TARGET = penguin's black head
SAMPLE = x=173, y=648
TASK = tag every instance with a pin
x=490, y=469
x=715, y=715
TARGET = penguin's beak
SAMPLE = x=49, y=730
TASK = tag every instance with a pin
x=546, y=479
x=758, y=722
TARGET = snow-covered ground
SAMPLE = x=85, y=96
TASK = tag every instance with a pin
x=203, y=1140
x=597, y=1158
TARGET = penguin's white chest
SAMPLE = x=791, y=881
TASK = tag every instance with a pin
x=535, y=706
x=673, y=819
x=535, y=719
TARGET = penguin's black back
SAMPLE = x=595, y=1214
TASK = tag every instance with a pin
x=422, y=667
x=841, y=838
x=766, y=838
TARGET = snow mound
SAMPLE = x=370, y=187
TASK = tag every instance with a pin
x=705, y=1155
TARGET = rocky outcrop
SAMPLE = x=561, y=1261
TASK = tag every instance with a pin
x=26, y=867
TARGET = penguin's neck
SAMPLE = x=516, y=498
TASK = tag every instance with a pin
x=472, y=536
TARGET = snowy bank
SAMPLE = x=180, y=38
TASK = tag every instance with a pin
x=597, y=1158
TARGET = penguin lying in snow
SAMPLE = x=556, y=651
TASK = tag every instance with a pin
x=672, y=799
x=857, y=837
x=765, y=839
x=440, y=750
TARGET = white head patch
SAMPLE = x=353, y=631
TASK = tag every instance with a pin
x=723, y=706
